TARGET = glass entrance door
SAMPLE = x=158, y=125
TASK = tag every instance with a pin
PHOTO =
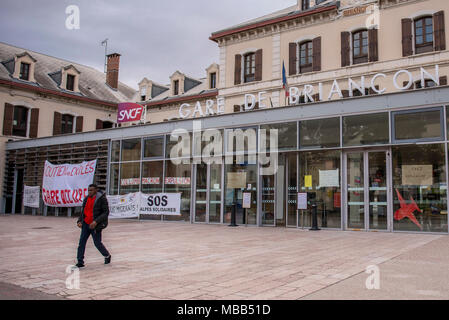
x=367, y=195
x=208, y=193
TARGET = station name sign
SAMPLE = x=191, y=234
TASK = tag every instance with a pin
x=307, y=93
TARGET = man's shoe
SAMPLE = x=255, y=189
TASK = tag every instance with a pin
x=107, y=260
x=79, y=265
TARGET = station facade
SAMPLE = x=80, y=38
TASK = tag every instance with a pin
x=346, y=100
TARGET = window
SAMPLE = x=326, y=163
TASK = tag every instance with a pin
x=108, y=125
x=20, y=121
x=287, y=135
x=305, y=4
x=360, y=46
x=419, y=181
x=306, y=57
x=67, y=123
x=24, y=71
x=213, y=80
x=154, y=147
x=143, y=93
x=367, y=129
x=427, y=125
x=176, y=87
x=424, y=34
x=320, y=133
x=131, y=149
x=249, y=67
x=70, y=85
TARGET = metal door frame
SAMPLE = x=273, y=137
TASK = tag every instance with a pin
x=388, y=177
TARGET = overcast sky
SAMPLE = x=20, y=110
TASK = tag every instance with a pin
x=155, y=38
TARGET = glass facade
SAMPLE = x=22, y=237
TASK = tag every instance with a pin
x=420, y=188
x=358, y=179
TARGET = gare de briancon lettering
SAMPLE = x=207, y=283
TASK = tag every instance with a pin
x=211, y=107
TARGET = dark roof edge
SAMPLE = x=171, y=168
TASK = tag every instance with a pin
x=270, y=21
x=56, y=93
x=184, y=98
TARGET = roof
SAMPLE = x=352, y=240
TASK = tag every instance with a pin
x=92, y=82
x=281, y=15
x=193, y=89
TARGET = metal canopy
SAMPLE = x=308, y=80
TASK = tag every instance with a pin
x=399, y=100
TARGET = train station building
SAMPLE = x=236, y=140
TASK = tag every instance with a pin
x=346, y=101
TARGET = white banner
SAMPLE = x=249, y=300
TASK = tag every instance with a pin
x=31, y=196
x=66, y=185
x=161, y=203
x=126, y=206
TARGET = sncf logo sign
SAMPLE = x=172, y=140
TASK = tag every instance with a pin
x=128, y=112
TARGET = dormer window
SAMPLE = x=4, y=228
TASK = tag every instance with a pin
x=143, y=93
x=213, y=80
x=176, y=87
x=70, y=82
x=24, y=71
x=22, y=67
x=305, y=4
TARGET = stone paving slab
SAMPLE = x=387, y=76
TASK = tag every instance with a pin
x=155, y=260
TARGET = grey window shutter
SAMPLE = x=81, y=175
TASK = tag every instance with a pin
x=259, y=60
x=238, y=69
x=345, y=49
x=99, y=124
x=317, y=54
x=79, y=124
x=34, y=123
x=8, y=117
x=57, y=123
x=373, y=45
x=292, y=47
x=407, y=41
x=440, y=34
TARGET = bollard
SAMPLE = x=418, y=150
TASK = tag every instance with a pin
x=314, y=218
x=233, y=213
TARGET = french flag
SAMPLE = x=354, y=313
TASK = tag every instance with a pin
x=284, y=80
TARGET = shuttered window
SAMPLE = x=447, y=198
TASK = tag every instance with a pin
x=306, y=57
x=249, y=67
x=67, y=123
x=360, y=46
x=424, y=35
x=20, y=121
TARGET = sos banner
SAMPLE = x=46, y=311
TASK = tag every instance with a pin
x=126, y=206
x=161, y=203
x=128, y=112
x=66, y=185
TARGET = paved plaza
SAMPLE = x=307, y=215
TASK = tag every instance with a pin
x=154, y=260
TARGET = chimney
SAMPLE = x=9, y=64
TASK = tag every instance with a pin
x=112, y=70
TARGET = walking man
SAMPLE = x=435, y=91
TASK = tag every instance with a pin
x=93, y=219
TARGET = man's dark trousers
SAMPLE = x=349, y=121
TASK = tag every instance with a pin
x=96, y=235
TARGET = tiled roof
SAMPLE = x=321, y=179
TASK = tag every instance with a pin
x=92, y=82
